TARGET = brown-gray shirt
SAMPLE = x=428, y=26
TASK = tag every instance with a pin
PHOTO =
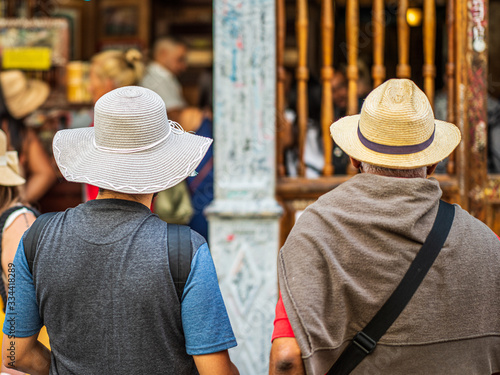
x=349, y=251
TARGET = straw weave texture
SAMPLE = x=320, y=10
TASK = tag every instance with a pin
x=397, y=113
x=21, y=95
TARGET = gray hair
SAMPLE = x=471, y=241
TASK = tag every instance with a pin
x=404, y=173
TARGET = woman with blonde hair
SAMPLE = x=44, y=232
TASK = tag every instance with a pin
x=110, y=70
x=15, y=218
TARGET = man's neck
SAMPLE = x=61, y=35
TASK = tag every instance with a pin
x=144, y=199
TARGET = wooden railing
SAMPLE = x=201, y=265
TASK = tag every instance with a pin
x=298, y=192
x=378, y=70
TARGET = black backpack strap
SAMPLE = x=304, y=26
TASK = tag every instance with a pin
x=180, y=254
x=30, y=240
x=365, y=341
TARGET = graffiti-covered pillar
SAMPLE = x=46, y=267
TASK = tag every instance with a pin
x=472, y=102
x=243, y=218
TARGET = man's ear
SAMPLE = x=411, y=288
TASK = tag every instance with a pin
x=355, y=163
x=431, y=169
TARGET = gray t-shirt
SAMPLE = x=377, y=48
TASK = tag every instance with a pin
x=101, y=284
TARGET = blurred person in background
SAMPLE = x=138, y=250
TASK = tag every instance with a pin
x=314, y=158
x=20, y=97
x=169, y=62
x=493, y=118
x=201, y=186
x=15, y=218
x=340, y=88
x=110, y=70
x=339, y=94
x=183, y=203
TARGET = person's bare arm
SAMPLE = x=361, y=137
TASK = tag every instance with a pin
x=26, y=354
x=11, y=237
x=174, y=114
x=191, y=118
x=286, y=357
x=215, y=364
x=41, y=175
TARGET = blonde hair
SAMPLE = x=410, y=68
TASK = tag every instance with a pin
x=122, y=68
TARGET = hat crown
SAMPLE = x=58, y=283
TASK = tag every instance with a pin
x=130, y=117
x=14, y=83
x=397, y=113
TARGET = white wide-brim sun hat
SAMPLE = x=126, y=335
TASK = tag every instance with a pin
x=133, y=148
x=396, y=129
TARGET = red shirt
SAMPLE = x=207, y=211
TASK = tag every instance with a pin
x=282, y=327
x=91, y=190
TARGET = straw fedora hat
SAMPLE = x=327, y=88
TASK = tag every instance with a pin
x=22, y=96
x=396, y=129
x=133, y=148
x=9, y=165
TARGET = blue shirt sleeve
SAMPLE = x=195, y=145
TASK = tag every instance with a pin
x=21, y=313
x=204, y=317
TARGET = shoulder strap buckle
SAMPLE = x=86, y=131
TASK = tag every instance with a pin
x=364, y=342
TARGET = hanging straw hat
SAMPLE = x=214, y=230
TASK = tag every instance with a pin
x=396, y=129
x=9, y=165
x=22, y=96
x=133, y=148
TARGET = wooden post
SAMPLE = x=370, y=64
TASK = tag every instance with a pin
x=352, y=32
x=326, y=77
x=462, y=154
x=280, y=86
x=403, y=69
x=477, y=97
x=429, y=69
x=450, y=74
x=302, y=75
x=378, y=69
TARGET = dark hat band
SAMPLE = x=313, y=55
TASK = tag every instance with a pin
x=395, y=150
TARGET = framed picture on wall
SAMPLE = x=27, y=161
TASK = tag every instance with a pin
x=123, y=22
x=74, y=18
x=26, y=43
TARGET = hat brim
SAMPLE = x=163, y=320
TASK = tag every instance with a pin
x=345, y=134
x=10, y=178
x=143, y=172
x=37, y=93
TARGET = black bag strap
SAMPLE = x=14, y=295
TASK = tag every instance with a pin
x=365, y=341
x=180, y=254
x=30, y=240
